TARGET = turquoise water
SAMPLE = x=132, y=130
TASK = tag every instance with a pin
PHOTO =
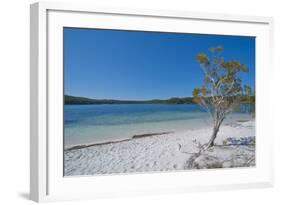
x=84, y=124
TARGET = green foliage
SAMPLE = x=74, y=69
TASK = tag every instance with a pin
x=203, y=59
x=82, y=101
x=222, y=87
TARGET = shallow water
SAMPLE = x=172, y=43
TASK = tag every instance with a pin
x=85, y=124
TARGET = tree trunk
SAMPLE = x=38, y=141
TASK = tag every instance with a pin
x=214, y=134
x=213, y=137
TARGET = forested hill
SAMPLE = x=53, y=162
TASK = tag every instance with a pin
x=72, y=100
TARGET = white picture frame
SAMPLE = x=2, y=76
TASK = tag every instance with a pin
x=46, y=155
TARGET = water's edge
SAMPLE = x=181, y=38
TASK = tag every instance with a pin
x=116, y=141
x=89, y=125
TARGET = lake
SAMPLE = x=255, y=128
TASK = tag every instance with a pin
x=86, y=124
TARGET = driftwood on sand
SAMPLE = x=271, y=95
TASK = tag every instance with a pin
x=123, y=140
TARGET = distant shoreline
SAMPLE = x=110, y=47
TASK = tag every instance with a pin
x=74, y=100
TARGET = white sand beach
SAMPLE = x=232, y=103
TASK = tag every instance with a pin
x=234, y=147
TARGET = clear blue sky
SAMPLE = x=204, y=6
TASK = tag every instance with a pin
x=111, y=64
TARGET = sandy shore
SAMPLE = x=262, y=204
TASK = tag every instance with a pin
x=235, y=147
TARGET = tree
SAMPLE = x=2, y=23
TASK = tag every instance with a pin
x=222, y=87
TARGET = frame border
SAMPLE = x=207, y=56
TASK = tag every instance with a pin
x=39, y=188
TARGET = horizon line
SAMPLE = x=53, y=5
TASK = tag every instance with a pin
x=92, y=98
